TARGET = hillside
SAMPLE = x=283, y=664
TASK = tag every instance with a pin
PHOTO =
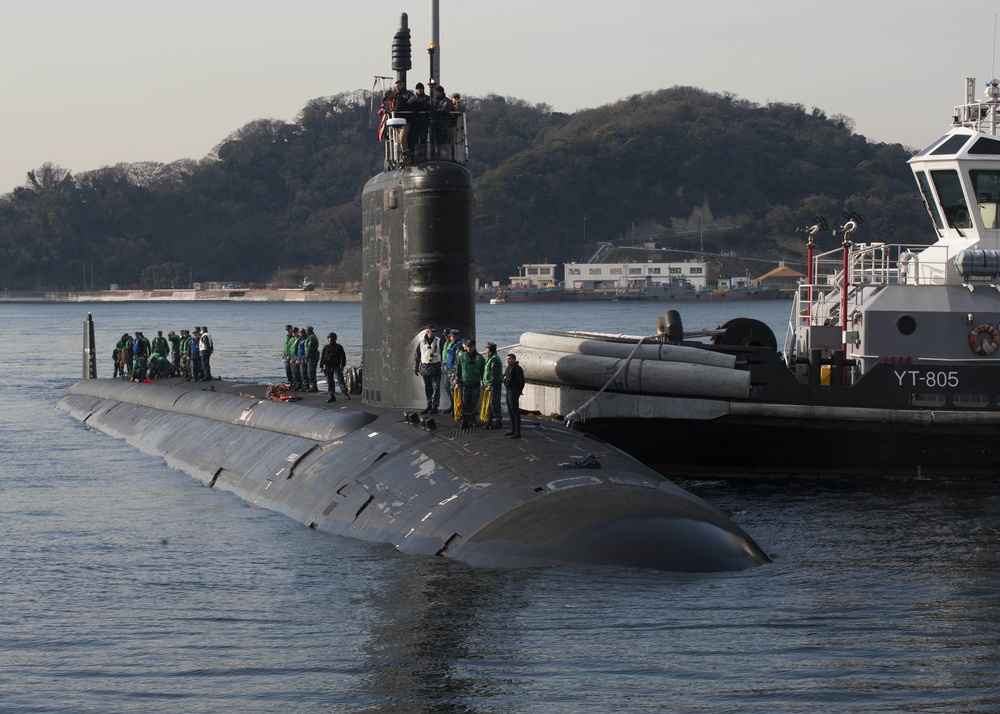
x=285, y=196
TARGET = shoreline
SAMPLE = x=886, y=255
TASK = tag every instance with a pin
x=262, y=295
x=300, y=296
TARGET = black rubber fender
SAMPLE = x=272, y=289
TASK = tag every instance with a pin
x=746, y=332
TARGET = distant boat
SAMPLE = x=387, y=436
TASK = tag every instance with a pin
x=676, y=293
x=533, y=294
x=634, y=292
x=760, y=292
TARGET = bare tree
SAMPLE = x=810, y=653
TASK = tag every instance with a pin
x=48, y=177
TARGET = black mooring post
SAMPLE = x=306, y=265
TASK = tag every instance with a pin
x=89, y=352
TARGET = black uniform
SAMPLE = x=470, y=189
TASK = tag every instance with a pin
x=332, y=362
x=513, y=378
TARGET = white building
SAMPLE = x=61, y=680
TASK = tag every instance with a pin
x=534, y=275
x=596, y=276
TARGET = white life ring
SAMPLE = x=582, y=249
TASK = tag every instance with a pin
x=984, y=346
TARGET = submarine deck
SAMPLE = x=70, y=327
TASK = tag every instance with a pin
x=366, y=472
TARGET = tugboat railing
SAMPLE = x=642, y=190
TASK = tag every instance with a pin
x=869, y=267
x=978, y=116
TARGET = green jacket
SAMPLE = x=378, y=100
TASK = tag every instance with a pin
x=470, y=368
x=312, y=346
x=492, y=371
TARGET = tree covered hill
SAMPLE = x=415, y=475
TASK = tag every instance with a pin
x=285, y=196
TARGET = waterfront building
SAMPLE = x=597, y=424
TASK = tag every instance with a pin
x=598, y=276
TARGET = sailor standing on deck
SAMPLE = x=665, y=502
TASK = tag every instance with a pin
x=207, y=348
x=332, y=362
x=493, y=386
x=129, y=355
x=312, y=359
x=299, y=360
x=186, y=355
x=175, y=350
x=427, y=365
x=450, y=350
x=513, y=379
x=160, y=344
x=194, y=352
x=287, y=352
x=123, y=357
x=140, y=350
x=470, y=374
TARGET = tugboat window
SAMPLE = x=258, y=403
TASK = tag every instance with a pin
x=906, y=324
x=986, y=185
x=927, y=400
x=985, y=145
x=928, y=149
x=925, y=191
x=949, y=189
x=952, y=146
x=970, y=401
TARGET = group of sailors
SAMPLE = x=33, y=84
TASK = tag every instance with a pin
x=472, y=382
x=302, y=357
x=188, y=355
x=428, y=118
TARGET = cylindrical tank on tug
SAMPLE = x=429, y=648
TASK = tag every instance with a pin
x=417, y=270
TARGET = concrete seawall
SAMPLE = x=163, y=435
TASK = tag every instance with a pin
x=181, y=296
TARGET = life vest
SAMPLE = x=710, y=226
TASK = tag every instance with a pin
x=312, y=346
x=489, y=378
x=430, y=353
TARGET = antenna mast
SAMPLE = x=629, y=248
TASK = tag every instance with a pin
x=435, y=49
x=993, y=69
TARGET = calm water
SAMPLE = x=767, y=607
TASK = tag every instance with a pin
x=127, y=586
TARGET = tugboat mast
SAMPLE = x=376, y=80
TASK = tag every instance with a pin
x=974, y=114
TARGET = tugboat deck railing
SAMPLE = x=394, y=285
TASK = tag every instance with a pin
x=870, y=267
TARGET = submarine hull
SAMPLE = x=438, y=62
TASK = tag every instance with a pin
x=433, y=490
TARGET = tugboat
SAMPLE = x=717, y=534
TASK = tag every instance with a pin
x=890, y=365
x=376, y=469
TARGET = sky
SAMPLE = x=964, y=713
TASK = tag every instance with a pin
x=91, y=83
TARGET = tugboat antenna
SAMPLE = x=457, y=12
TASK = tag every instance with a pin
x=993, y=69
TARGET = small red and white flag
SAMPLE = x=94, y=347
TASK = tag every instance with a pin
x=380, y=135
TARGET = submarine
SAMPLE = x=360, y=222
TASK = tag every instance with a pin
x=371, y=468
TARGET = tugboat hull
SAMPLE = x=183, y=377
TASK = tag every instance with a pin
x=751, y=446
